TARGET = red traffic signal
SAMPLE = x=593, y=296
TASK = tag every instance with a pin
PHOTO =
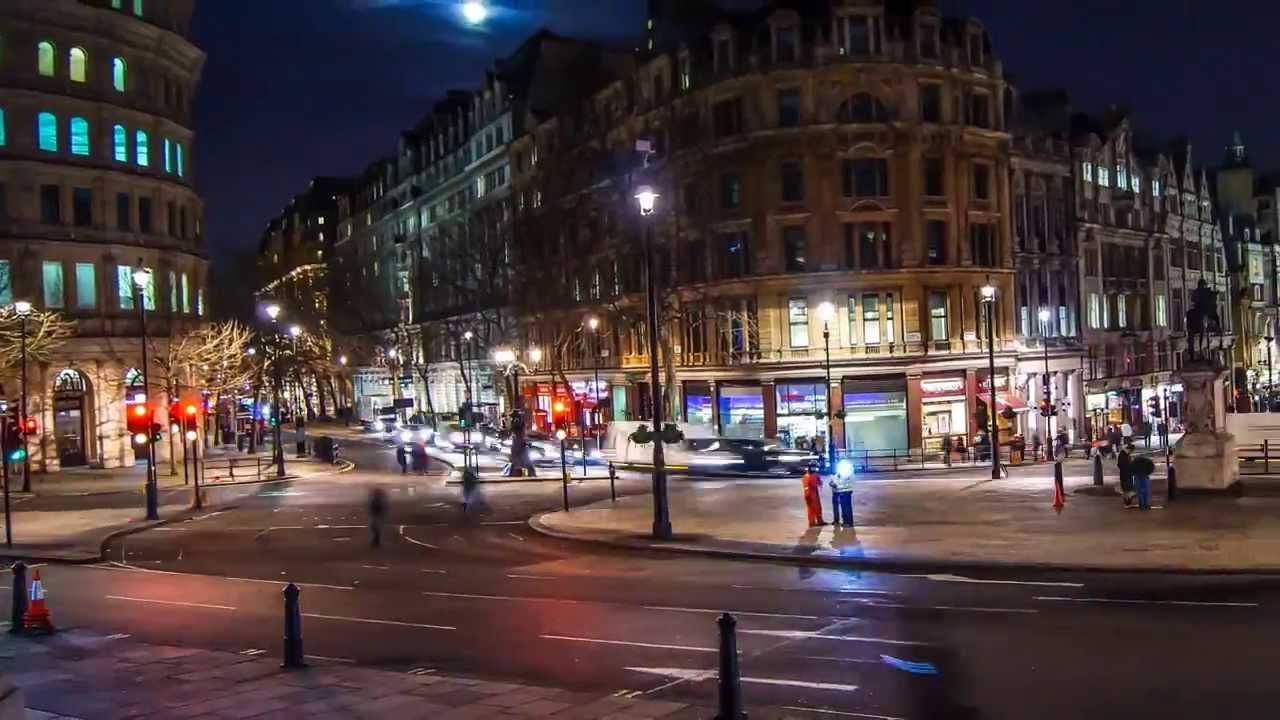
x=30, y=426
x=190, y=409
x=138, y=419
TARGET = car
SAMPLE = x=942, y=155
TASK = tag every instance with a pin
x=412, y=434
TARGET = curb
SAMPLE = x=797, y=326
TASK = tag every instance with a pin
x=887, y=564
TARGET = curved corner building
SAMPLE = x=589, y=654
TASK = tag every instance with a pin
x=96, y=178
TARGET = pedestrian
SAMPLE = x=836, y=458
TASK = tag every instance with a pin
x=1162, y=428
x=470, y=485
x=1064, y=449
x=1142, y=468
x=842, y=496
x=1146, y=435
x=1035, y=446
x=377, y=514
x=402, y=459
x=813, y=496
x=1125, y=462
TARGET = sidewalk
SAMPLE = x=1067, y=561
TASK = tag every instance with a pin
x=129, y=478
x=73, y=526
x=78, y=675
x=951, y=522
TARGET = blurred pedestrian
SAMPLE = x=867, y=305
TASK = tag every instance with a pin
x=1124, y=460
x=377, y=515
x=1142, y=468
x=813, y=496
x=402, y=459
x=470, y=488
x=842, y=495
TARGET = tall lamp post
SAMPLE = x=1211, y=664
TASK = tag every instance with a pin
x=989, y=301
x=23, y=308
x=141, y=279
x=593, y=324
x=827, y=313
x=342, y=383
x=471, y=402
x=277, y=451
x=1269, y=338
x=1047, y=408
x=647, y=199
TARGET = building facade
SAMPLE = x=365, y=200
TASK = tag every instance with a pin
x=96, y=178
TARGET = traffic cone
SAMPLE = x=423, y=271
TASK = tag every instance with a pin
x=37, y=615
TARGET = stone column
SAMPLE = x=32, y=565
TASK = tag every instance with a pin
x=836, y=393
x=915, y=431
x=770, y=409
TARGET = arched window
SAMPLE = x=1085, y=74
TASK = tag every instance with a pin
x=119, y=74
x=79, y=136
x=862, y=108
x=120, y=143
x=45, y=58
x=79, y=64
x=47, y=130
x=140, y=148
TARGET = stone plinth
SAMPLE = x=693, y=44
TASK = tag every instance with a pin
x=1205, y=457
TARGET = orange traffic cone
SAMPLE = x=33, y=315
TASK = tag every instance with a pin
x=37, y=615
x=1059, y=497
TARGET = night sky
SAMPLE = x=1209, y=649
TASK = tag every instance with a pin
x=298, y=88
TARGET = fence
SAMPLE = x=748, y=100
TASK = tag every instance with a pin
x=1258, y=459
x=231, y=469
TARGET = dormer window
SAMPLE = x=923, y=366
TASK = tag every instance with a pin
x=1122, y=177
x=977, y=55
x=786, y=44
x=858, y=35
x=686, y=70
x=927, y=43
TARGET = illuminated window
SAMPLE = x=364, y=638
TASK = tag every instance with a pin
x=45, y=58
x=79, y=64
x=3, y=139
x=177, y=147
x=141, y=149
x=1104, y=176
x=120, y=143
x=119, y=74
x=168, y=155
x=124, y=286
x=1122, y=177
x=79, y=136
x=137, y=7
x=117, y=4
x=47, y=127
x=200, y=302
x=798, y=322
x=1087, y=171
x=53, y=289
x=173, y=291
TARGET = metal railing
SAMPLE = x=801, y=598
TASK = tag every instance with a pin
x=924, y=459
x=1258, y=459
x=231, y=470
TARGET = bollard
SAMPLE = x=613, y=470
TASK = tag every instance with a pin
x=1097, y=470
x=1266, y=457
x=1173, y=483
x=293, y=657
x=730, y=685
x=613, y=476
x=19, y=606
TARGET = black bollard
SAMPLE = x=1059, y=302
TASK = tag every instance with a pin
x=613, y=476
x=19, y=598
x=1173, y=483
x=730, y=685
x=1097, y=470
x=293, y=657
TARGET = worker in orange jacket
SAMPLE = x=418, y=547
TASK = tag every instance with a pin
x=813, y=496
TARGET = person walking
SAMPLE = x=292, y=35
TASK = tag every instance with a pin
x=1125, y=463
x=402, y=459
x=377, y=515
x=813, y=496
x=470, y=486
x=1142, y=468
x=842, y=498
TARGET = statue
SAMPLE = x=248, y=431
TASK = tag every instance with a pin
x=1202, y=320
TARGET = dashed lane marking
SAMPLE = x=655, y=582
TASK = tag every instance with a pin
x=170, y=602
x=844, y=591
x=517, y=537
x=379, y=622
x=841, y=713
x=629, y=643
x=731, y=612
x=326, y=658
x=416, y=542
x=810, y=635
x=517, y=576
x=422, y=671
x=947, y=577
x=699, y=675
x=1129, y=601
x=253, y=651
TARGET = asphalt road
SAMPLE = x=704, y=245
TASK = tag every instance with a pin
x=485, y=595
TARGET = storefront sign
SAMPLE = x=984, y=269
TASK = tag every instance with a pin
x=911, y=337
x=935, y=388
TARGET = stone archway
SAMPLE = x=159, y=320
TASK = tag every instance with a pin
x=73, y=410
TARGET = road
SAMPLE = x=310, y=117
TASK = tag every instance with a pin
x=485, y=595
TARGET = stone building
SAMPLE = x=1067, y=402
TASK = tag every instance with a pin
x=295, y=248
x=96, y=178
x=853, y=153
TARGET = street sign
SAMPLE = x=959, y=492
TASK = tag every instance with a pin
x=404, y=403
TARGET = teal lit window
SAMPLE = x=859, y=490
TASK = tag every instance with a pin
x=140, y=148
x=78, y=61
x=53, y=290
x=3, y=136
x=6, y=283
x=79, y=136
x=178, y=148
x=168, y=155
x=119, y=74
x=137, y=7
x=200, y=302
x=47, y=128
x=86, y=286
x=124, y=286
x=117, y=4
x=173, y=291
x=45, y=58
x=186, y=295
x=120, y=142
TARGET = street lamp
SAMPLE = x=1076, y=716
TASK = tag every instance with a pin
x=519, y=465
x=1047, y=409
x=1269, y=339
x=827, y=313
x=273, y=312
x=474, y=12
x=593, y=324
x=23, y=308
x=141, y=279
x=989, y=302
x=647, y=200
x=471, y=400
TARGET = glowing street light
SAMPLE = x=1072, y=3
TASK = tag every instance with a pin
x=295, y=330
x=647, y=198
x=22, y=307
x=273, y=311
x=474, y=12
x=342, y=359
x=535, y=354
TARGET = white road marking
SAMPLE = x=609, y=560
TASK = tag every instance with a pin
x=437, y=572
x=517, y=537
x=495, y=597
x=505, y=522
x=1126, y=601
x=842, y=713
x=698, y=675
x=849, y=591
x=427, y=545
x=828, y=658
x=422, y=671
x=1022, y=611
x=121, y=567
x=253, y=651
x=118, y=636
x=530, y=577
x=170, y=602
x=376, y=567
x=811, y=635
x=628, y=643
x=947, y=577
x=349, y=661
x=379, y=622
x=731, y=612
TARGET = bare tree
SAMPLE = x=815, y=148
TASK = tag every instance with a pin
x=45, y=333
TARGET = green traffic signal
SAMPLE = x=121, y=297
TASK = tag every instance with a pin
x=18, y=455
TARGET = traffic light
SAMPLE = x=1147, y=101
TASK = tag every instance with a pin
x=1047, y=409
x=30, y=425
x=559, y=411
x=139, y=421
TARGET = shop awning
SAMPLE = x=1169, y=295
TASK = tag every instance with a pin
x=1014, y=403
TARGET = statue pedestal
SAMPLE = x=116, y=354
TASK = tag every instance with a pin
x=1204, y=458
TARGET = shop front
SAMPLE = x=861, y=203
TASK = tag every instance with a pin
x=1009, y=407
x=741, y=411
x=875, y=414
x=802, y=409
x=698, y=402
x=942, y=410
